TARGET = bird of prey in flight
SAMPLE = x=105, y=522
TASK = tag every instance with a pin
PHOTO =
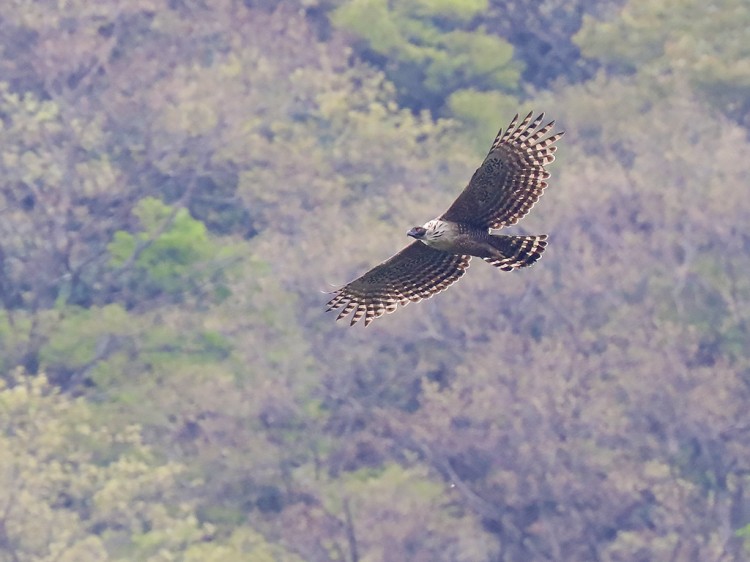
x=504, y=188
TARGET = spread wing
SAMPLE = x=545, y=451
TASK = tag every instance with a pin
x=511, y=178
x=417, y=272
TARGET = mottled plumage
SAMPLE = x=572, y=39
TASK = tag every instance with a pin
x=503, y=190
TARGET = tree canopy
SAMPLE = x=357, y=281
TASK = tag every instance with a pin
x=181, y=183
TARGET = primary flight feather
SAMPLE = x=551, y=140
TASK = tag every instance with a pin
x=502, y=191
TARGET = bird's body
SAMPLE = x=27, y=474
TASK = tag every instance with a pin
x=463, y=238
x=504, y=188
x=448, y=236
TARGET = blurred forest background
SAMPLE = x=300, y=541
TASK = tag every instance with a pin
x=182, y=179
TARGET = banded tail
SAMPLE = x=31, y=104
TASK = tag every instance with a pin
x=518, y=251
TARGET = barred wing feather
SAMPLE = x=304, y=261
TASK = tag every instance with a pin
x=512, y=177
x=417, y=272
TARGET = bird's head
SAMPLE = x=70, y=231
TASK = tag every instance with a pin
x=417, y=232
x=429, y=231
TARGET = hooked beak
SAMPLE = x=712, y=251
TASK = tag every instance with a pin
x=416, y=232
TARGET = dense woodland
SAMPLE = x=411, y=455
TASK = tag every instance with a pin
x=182, y=181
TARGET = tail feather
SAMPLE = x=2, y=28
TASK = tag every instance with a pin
x=518, y=251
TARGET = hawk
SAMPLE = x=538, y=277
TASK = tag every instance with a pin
x=502, y=191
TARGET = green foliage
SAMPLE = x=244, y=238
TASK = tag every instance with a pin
x=744, y=533
x=480, y=112
x=81, y=331
x=55, y=176
x=14, y=336
x=668, y=42
x=171, y=253
x=58, y=487
x=77, y=490
x=244, y=545
x=431, y=49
